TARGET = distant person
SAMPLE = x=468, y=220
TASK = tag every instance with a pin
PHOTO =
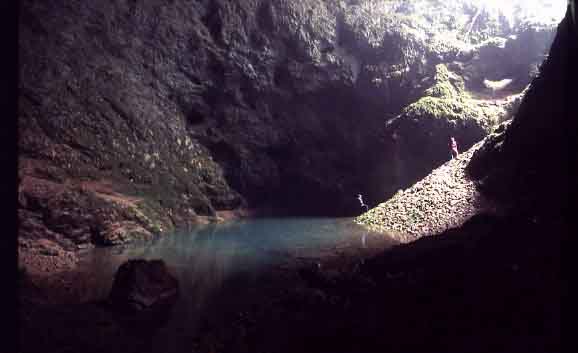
x=454, y=147
x=360, y=198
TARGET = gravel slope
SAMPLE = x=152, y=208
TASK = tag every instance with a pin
x=446, y=198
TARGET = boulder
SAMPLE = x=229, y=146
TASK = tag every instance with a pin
x=141, y=285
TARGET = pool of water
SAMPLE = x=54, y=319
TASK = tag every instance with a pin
x=208, y=259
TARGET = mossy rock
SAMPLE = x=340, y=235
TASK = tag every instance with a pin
x=443, y=108
x=441, y=90
x=446, y=84
x=447, y=99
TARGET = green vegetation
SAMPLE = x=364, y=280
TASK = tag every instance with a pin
x=443, y=108
x=441, y=90
x=447, y=99
x=447, y=84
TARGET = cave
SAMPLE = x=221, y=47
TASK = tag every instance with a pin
x=294, y=176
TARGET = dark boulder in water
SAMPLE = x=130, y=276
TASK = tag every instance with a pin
x=141, y=285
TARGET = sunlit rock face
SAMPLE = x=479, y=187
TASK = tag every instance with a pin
x=156, y=113
x=528, y=164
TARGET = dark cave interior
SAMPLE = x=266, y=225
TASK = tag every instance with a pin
x=140, y=120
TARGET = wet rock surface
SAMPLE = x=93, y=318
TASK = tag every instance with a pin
x=478, y=283
x=142, y=285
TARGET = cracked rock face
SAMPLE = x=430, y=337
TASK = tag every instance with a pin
x=175, y=110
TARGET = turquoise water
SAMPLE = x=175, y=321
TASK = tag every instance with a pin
x=214, y=261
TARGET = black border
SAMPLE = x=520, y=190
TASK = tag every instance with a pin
x=9, y=164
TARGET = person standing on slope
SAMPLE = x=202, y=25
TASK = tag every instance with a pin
x=454, y=147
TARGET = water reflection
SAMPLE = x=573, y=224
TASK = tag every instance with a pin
x=204, y=258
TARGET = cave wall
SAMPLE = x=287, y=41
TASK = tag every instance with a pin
x=529, y=164
x=138, y=117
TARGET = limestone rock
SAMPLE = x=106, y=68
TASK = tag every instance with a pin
x=528, y=163
x=234, y=103
x=416, y=213
x=123, y=232
x=140, y=285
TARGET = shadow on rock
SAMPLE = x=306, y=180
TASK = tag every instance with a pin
x=142, y=295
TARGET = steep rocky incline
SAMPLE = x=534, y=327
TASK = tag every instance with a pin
x=136, y=118
x=445, y=199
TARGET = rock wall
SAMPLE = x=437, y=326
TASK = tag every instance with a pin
x=529, y=163
x=138, y=117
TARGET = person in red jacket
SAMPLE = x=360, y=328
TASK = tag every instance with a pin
x=454, y=147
